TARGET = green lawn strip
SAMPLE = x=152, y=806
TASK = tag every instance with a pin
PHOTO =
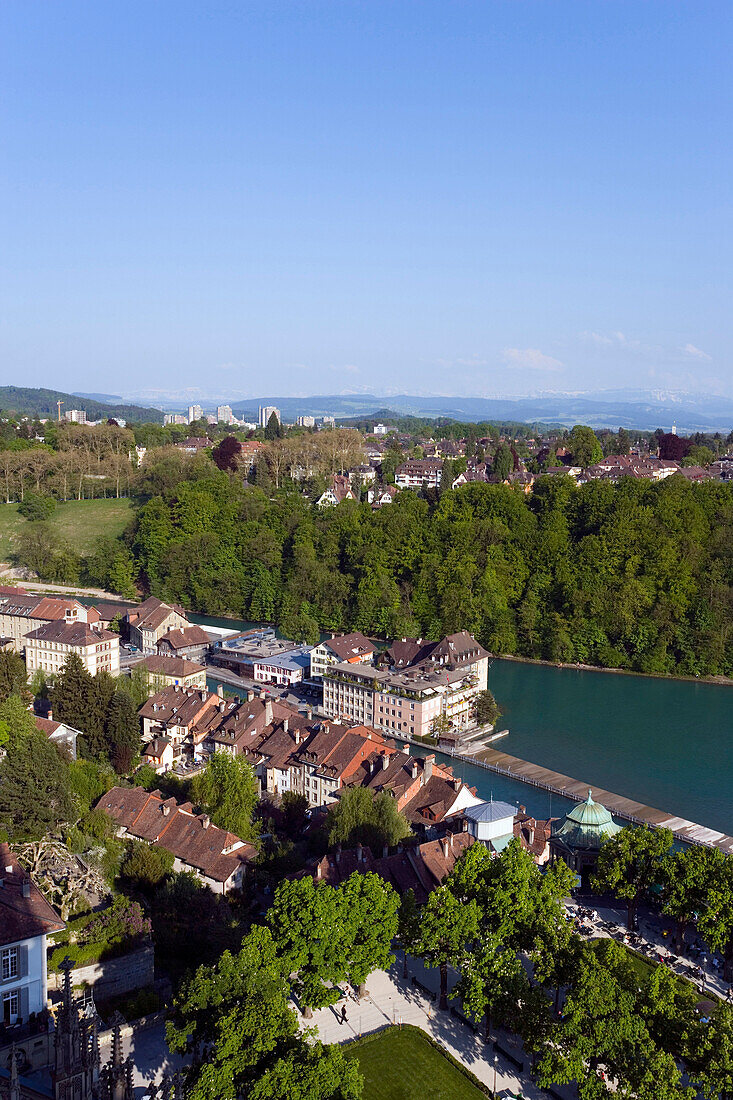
x=406, y=1064
x=80, y=522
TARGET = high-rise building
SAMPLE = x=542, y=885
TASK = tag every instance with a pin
x=224, y=414
x=174, y=418
x=266, y=412
x=306, y=421
x=195, y=412
x=76, y=416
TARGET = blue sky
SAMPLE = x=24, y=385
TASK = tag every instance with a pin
x=495, y=197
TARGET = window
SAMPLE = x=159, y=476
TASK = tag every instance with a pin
x=9, y=963
x=10, y=1007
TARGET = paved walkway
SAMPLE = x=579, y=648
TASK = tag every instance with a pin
x=392, y=999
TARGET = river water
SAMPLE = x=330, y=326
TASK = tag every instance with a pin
x=666, y=743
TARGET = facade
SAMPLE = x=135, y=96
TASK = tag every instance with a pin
x=352, y=648
x=265, y=412
x=48, y=647
x=183, y=716
x=21, y=612
x=220, y=859
x=195, y=412
x=419, y=472
x=64, y=736
x=191, y=641
x=380, y=429
x=174, y=418
x=423, y=681
x=491, y=823
x=148, y=622
x=224, y=414
x=75, y=416
x=26, y=919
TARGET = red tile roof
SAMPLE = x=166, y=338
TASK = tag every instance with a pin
x=22, y=917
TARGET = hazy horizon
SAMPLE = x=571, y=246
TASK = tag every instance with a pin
x=481, y=199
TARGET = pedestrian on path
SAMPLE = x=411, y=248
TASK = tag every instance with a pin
x=344, y=1018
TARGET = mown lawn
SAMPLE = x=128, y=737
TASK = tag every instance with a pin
x=80, y=522
x=402, y=1064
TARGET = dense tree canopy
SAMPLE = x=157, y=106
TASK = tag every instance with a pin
x=227, y=789
x=638, y=575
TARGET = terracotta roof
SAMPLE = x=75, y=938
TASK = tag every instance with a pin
x=22, y=917
x=181, y=638
x=156, y=748
x=73, y=634
x=46, y=725
x=348, y=646
x=191, y=838
x=170, y=666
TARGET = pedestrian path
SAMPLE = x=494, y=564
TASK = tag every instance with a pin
x=394, y=999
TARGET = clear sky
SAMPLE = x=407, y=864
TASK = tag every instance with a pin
x=258, y=196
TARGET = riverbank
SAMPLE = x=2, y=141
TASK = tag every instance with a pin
x=723, y=681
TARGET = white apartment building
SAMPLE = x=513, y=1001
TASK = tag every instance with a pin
x=305, y=421
x=224, y=414
x=418, y=472
x=76, y=416
x=174, y=418
x=266, y=412
x=48, y=647
x=349, y=648
x=195, y=412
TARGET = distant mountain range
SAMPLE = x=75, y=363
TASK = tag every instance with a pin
x=607, y=409
x=25, y=401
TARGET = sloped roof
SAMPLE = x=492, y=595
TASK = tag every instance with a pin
x=587, y=825
x=22, y=917
x=487, y=812
x=72, y=634
x=181, y=638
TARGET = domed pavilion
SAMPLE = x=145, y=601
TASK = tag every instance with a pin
x=579, y=835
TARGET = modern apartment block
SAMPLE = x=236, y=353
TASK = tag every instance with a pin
x=195, y=412
x=417, y=683
x=224, y=414
x=266, y=412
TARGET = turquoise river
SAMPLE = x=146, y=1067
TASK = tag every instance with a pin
x=666, y=743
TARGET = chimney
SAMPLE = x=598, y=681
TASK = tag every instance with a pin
x=413, y=769
x=205, y=820
x=250, y=695
x=268, y=712
x=309, y=712
x=444, y=843
x=50, y=714
x=26, y=887
x=456, y=784
x=406, y=748
x=222, y=706
x=318, y=870
x=428, y=767
x=286, y=725
x=385, y=761
x=220, y=690
x=296, y=735
x=359, y=853
x=165, y=810
x=522, y=809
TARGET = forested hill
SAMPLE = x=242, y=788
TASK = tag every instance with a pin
x=24, y=401
x=636, y=576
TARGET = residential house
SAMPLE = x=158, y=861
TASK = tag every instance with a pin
x=379, y=495
x=60, y=733
x=219, y=858
x=193, y=445
x=190, y=641
x=184, y=716
x=150, y=621
x=352, y=648
x=419, y=472
x=338, y=491
x=26, y=920
x=159, y=754
x=362, y=475
x=48, y=647
x=165, y=672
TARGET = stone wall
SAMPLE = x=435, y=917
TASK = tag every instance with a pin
x=112, y=977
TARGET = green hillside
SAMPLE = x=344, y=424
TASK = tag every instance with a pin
x=80, y=522
x=25, y=401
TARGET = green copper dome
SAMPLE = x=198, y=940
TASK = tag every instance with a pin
x=588, y=825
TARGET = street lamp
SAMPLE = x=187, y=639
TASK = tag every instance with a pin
x=496, y=1059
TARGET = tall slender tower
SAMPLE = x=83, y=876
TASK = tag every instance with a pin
x=76, y=1066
